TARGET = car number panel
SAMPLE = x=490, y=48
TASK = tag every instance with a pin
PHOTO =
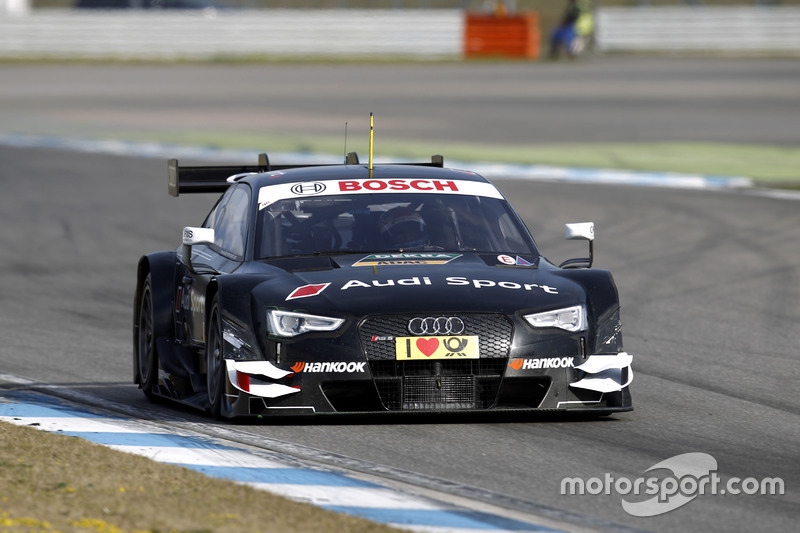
x=437, y=347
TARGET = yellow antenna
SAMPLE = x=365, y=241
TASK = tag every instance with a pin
x=371, y=125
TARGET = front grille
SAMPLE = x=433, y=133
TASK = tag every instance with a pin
x=438, y=393
x=494, y=331
x=437, y=384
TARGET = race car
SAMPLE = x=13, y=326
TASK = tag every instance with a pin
x=360, y=288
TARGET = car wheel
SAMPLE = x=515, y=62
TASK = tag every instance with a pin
x=216, y=377
x=147, y=357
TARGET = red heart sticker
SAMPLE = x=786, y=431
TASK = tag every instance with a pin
x=427, y=346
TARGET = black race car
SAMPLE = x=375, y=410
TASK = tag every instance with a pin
x=354, y=288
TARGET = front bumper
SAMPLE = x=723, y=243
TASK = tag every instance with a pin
x=595, y=384
x=357, y=371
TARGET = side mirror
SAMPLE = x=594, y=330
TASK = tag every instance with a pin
x=192, y=236
x=583, y=231
x=580, y=231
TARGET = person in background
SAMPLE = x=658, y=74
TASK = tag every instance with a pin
x=575, y=29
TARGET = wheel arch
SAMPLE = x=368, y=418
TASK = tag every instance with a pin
x=602, y=295
x=602, y=298
x=161, y=269
x=237, y=305
x=234, y=293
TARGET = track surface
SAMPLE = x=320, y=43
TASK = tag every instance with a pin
x=608, y=100
x=709, y=282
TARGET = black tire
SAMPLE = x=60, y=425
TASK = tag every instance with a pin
x=216, y=376
x=146, y=355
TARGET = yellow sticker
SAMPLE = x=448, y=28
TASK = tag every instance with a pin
x=453, y=348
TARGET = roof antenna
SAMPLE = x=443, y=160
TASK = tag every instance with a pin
x=371, y=123
x=345, y=141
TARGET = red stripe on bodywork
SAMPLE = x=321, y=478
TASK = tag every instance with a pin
x=243, y=381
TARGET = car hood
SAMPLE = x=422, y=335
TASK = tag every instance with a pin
x=418, y=282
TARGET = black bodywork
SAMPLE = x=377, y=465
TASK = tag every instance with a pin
x=208, y=307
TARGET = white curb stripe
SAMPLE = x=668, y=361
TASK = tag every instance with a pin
x=488, y=170
x=325, y=488
x=347, y=496
x=199, y=456
x=78, y=425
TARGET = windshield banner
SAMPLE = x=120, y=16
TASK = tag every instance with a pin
x=286, y=191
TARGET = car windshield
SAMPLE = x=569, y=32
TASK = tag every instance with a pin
x=389, y=222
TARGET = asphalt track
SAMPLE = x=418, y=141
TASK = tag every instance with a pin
x=709, y=281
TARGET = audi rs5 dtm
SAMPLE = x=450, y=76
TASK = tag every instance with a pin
x=352, y=288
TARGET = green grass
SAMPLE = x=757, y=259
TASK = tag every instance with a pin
x=765, y=164
x=51, y=482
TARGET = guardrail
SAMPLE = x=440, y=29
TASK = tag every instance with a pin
x=699, y=29
x=166, y=35
x=391, y=33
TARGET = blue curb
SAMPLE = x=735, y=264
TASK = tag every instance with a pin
x=425, y=515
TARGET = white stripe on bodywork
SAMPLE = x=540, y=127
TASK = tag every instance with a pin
x=577, y=402
x=258, y=368
x=597, y=363
x=605, y=373
x=606, y=381
x=271, y=390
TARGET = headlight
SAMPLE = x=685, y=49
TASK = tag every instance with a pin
x=240, y=342
x=288, y=324
x=570, y=319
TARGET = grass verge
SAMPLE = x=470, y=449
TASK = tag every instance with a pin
x=51, y=482
x=767, y=164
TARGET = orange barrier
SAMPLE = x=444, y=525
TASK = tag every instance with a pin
x=499, y=35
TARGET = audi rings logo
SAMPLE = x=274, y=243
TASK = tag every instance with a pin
x=308, y=189
x=441, y=325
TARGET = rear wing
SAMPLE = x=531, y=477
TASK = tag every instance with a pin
x=197, y=179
